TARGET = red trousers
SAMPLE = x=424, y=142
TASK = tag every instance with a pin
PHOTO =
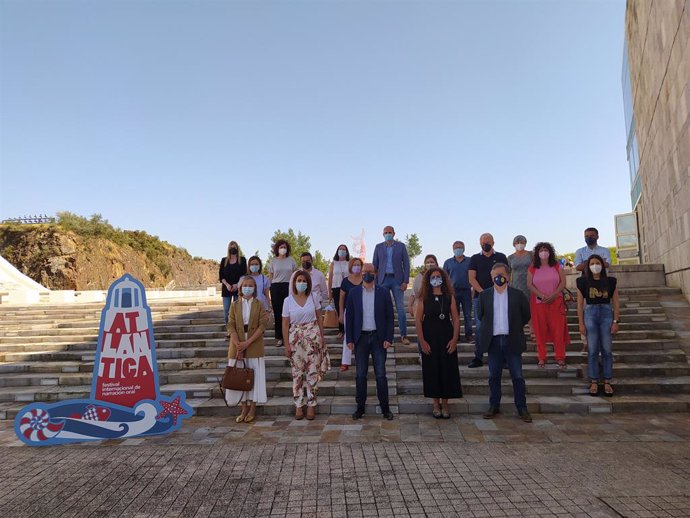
x=550, y=324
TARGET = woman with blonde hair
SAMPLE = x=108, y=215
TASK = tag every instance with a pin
x=246, y=327
x=232, y=268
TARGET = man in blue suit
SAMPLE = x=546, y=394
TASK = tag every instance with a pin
x=393, y=266
x=369, y=331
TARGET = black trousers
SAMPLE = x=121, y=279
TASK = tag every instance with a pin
x=279, y=292
x=335, y=292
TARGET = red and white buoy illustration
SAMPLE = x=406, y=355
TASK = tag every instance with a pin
x=125, y=372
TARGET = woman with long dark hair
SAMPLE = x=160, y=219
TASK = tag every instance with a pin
x=279, y=271
x=598, y=315
x=438, y=323
x=546, y=280
x=337, y=271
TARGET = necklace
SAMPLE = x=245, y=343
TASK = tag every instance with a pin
x=441, y=315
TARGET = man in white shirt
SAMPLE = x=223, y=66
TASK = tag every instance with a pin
x=504, y=312
x=318, y=282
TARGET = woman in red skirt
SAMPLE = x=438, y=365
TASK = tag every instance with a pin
x=546, y=280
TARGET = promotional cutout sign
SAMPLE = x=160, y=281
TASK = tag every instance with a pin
x=125, y=398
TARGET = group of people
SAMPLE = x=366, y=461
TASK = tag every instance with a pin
x=498, y=296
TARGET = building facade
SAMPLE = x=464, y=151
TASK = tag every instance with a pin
x=656, y=98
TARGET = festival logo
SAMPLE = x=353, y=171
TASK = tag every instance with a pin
x=125, y=398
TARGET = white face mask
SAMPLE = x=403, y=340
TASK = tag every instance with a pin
x=282, y=251
x=595, y=268
x=519, y=247
x=430, y=265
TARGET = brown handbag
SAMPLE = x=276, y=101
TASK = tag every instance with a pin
x=236, y=378
x=330, y=318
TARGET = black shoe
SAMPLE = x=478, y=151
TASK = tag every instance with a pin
x=492, y=412
x=475, y=363
x=524, y=415
x=357, y=414
x=388, y=415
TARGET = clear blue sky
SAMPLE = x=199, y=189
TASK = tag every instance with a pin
x=205, y=121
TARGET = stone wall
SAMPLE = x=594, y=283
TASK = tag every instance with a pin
x=658, y=37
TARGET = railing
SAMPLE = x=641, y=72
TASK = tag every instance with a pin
x=31, y=220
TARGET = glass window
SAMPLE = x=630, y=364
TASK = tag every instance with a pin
x=126, y=298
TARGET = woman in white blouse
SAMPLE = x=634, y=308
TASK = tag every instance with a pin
x=304, y=346
x=336, y=273
x=246, y=326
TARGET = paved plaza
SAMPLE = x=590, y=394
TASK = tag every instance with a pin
x=560, y=465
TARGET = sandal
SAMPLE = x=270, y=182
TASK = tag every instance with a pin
x=445, y=414
x=608, y=389
x=594, y=389
x=279, y=343
x=436, y=413
x=541, y=364
x=343, y=368
x=562, y=365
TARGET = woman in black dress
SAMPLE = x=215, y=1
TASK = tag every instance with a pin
x=438, y=324
x=232, y=268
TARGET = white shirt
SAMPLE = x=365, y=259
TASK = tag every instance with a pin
x=318, y=284
x=501, y=326
x=340, y=271
x=368, y=313
x=246, y=309
x=299, y=314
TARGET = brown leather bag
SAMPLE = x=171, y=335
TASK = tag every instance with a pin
x=236, y=378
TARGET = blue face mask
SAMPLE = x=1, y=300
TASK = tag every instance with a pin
x=301, y=287
x=500, y=280
x=436, y=281
x=457, y=252
x=254, y=268
x=388, y=237
x=342, y=254
x=247, y=290
x=368, y=277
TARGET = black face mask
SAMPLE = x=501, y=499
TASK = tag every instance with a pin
x=591, y=241
x=487, y=247
x=306, y=265
x=233, y=251
x=368, y=277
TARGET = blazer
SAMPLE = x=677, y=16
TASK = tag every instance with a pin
x=518, y=317
x=401, y=262
x=257, y=320
x=383, y=315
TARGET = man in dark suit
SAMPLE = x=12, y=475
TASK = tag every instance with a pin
x=369, y=331
x=393, y=265
x=504, y=312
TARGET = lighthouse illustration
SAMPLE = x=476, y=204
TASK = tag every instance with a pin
x=125, y=398
x=125, y=357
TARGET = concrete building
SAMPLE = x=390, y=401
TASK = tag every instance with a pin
x=656, y=93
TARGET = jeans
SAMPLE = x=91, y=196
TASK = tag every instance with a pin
x=598, y=320
x=464, y=298
x=399, y=297
x=499, y=352
x=477, y=352
x=368, y=344
x=226, y=305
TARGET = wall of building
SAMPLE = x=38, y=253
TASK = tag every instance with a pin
x=658, y=45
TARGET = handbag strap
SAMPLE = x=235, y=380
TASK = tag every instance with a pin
x=220, y=383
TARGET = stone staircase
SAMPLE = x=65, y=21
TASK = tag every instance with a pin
x=47, y=353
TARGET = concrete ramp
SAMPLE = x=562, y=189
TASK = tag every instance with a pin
x=17, y=288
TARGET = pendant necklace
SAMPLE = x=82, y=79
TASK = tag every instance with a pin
x=441, y=315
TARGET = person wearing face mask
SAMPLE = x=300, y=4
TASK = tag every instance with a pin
x=438, y=325
x=430, y=261
x=337, y=271
x=349, y=282
x=246, y=326
x=546, y=280
x=318, y=281
x=369, y=332
x=392, y=263
x=305, y=346
x=457, y=268
x=584, y=253
x=504, y=312
x=232, y=267
x=280, y=269
x=519, y=262
x=263, y=283
x=598, y=315
x=479, y=275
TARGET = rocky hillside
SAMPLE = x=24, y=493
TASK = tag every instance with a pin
x=87, y=254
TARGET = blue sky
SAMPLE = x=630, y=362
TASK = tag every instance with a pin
x=205, y=121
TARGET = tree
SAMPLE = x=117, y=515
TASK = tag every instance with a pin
x=414, y=247
x=300, y=243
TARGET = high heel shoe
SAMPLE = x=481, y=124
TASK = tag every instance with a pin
x=311, y=413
